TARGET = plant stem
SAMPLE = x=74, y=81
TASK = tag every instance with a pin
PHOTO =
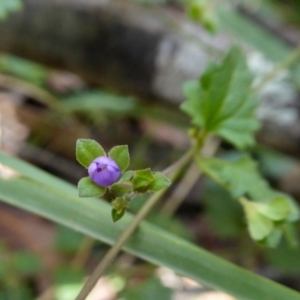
x=189, y=179
x=288, y=62
x=114, y=250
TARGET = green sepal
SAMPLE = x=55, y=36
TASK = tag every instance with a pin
x=159, y=182
x=142, y=180
x=277, y=209
x=123, y=185
x=259, y=226
x=126, y=176
x=87, y=150
x=87, y=188
x=120, y=204
x=120, y=155
x=117, y=215
x=119, y=189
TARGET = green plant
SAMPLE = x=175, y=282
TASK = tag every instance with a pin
x=221, y=103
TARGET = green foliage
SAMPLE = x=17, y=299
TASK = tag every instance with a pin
x=130, y=182
x=159, y=182
x=68, y=282
x=87, y=150
x=215, y=199
x=96, y=102
x=201, y=11
x=9, y=6
x=120, y=155
x=285, y=258
x=25, y=263
x=18, y=292
x=145, y=180
x=24, y=69
x=149, y=290
x=267, y=211
x=119, y=205
x=222, y=102
x=67, y=240
x=87, y=188
x=47, y=196
x=142, y=180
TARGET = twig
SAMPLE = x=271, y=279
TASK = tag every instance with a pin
x=189, y=180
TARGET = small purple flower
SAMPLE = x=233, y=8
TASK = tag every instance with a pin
x=104, y=171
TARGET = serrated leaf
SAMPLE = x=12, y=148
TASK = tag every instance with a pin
x=222, y=102
x=159, y=182
x=277, y=209
x=259, y=225
x=240, y=176
x=87, y=188
x=87, y=150
x=117, y=215
x=120, y=155
x=142, y=180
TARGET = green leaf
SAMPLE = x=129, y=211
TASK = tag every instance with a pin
x=285, y=257
x=120, y=155
x=117, y=215
x=99, y=101
x=24, y=69
x=241, y=177
x=215, y=199
x=222, y=102
x=38, y=192
x=142, y=180
x=87, y=150
x=9, y=6
x=159, y=182
x=259, y=225
x=87, y=188
x=277, y=209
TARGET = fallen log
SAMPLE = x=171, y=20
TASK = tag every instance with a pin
x=133, y=50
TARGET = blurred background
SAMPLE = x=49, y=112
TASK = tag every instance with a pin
x=112, y=71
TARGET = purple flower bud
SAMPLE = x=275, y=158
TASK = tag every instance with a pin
x=104, y=171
